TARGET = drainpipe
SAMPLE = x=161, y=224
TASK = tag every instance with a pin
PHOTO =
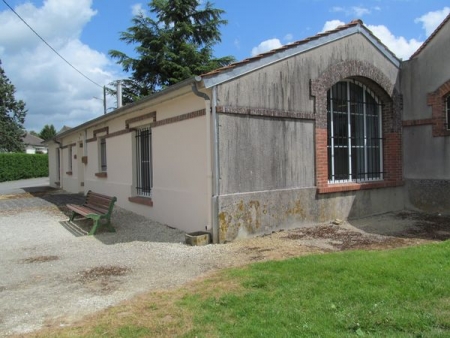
x=212, y=188
x=216, y=192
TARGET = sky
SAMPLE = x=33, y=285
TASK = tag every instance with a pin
x=83, y=31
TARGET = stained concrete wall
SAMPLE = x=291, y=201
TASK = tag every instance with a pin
x=267, y=164
x=426, y=158
x=250, y=214
x=285, y=85
x=262, y=153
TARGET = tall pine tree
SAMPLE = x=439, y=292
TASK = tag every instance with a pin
x=12, y=116
x=175, y=43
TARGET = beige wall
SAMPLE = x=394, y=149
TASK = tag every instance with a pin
x=180, y=178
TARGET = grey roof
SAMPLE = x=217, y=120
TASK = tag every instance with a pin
x=32, y=140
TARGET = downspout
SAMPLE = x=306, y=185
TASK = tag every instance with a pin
x=211, y=214
x=216, y=192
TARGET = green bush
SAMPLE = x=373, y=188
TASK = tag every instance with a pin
x=17, y=166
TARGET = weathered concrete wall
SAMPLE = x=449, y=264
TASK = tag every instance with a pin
x=285, y=85
x=261, y=153
x=250, y=214
x=425, y=156
x=426, y=150
x=424, y=74
x=428, y=195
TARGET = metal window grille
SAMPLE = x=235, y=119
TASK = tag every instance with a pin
x=144, y=169
x=70, y=159
x=103, y=154
x=355, y=144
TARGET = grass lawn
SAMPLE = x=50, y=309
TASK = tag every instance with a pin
x=395, y=293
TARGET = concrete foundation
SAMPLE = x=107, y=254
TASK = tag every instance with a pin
x=429, y=195
x=249, y=214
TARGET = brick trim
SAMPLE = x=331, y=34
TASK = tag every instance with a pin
x=141, y=200
x=101, y=174
x=334, y=188
x=119, y=132
x=375, y=80
x=179, y=118
x=69, y=145
x=151, y=115
x=265, y=112
x=437, y=101
x=421, y=122
x=101, y=130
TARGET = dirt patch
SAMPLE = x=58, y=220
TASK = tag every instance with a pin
x=102, y=279
x=340, y=239
x=426, y=226
x=102, y=272
x=39, y=259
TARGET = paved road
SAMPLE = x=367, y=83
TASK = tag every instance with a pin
x=21, y=186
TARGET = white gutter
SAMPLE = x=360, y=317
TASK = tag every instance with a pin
x=216, y=190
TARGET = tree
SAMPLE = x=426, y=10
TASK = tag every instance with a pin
x=12, y=116
x=48, y=132
x=174, y=44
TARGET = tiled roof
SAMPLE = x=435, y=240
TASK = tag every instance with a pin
x=32, y=140
x=353, y=23
x=427, y=41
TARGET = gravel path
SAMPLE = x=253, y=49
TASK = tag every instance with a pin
x=49, y=271
x=52, y=274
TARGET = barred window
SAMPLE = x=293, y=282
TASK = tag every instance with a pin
x=144, y=168
x=355, y=145
x=103, y=166
x=69, y=163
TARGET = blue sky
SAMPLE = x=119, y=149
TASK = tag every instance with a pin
x=83, y=31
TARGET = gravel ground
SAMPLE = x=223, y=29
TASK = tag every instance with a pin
x=52, y=274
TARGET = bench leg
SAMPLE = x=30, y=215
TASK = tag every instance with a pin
x=94, y=228
x=109, y=226
x=72, y=217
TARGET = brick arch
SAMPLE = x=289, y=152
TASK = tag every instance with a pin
x=437, y=101
x=380, y=84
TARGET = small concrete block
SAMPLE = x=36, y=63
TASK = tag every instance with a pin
x=198, y=238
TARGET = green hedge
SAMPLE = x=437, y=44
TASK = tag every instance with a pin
x=17, y=166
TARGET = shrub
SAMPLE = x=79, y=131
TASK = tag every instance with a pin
x=16, y=166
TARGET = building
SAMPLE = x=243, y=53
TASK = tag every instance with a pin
x=34, y=144
x=323, y=128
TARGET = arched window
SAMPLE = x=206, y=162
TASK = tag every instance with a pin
x=355, y=145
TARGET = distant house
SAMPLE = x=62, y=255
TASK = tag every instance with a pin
x=333, y=126
x=34, y=144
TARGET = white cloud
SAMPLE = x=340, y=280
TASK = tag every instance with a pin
x=401, y=47
x=357, y=11
x=288, y=37
x=431, y=20
x=266, y=46
x=237, y=43
x=332, y=24
x=54, y=93
x=137, y=9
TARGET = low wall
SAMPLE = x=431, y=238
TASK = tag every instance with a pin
x=249, y=214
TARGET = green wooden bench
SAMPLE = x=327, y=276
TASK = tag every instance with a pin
x=96, y=207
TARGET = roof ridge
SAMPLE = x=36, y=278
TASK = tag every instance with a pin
x=353, y=23
x=427, y=41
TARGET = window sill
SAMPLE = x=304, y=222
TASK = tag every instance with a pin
x=141, y=200
x=69, y=173
x=102, y=174
x=343, y=187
